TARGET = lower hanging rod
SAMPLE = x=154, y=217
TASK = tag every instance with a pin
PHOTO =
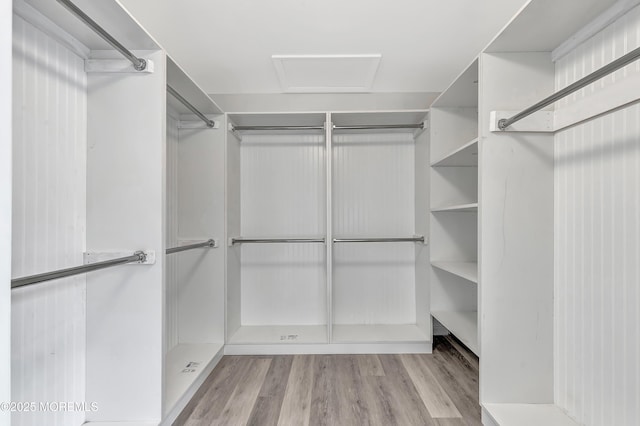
x=137, y=257
x=416, y=239
x=585, y=81
x=380, y=127
x=277, y=240
x=186, y=103
x=292, y=128
x=138, y=63
x=209, y=243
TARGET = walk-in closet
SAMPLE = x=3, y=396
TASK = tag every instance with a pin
x=320, y=213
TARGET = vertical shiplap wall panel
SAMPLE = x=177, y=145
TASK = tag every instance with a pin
x=374, y=195
x=597, y=242
x=283, y=194
x=49, y=224
x=283, y=185
x=171, y=299
x=6, y=180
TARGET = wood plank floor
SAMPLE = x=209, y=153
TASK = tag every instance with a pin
x=439, y=389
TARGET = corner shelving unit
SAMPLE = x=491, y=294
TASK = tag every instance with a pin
x=454, y=201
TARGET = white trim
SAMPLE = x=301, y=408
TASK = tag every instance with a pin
x=328, y=136
x=331, y=348
x=6, y=176
x=44, y=24
x=619, y=9
x=279, y=61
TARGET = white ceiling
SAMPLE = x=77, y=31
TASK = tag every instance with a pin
x=226, y=45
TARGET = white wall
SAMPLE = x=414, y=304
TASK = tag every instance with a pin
x=201, y=215
x=373, y=196
x=283, y=194
x=5, y=207
x=277, y=102
x=49, y=227
x=597, y=242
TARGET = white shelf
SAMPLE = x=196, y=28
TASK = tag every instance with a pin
x=463, y=325
x=407, y=333
x=466, y=270
x=465, y=156
x=463, y=91
x=179, y=378
x=472, y=207
x=527, y=415
x=279, y=334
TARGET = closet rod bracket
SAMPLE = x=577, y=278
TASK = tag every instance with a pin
x=115, y=66
x=145, y=257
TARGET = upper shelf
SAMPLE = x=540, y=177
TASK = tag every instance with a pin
x=465, y=156
x=543, y=25
x=109, y=14
x=463, y=92
x=278, y=119
x=178, y=79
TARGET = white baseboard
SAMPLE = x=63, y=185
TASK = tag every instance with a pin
x=333, y=348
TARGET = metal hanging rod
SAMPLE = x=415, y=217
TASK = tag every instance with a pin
x=241, y=128
x=277, y=240
x=209, y=243
x=138, y=256
x=585, y=81
x=417, y=239
x=183, y=101
x=138, y=63
x=380, y=127
x=363, y=127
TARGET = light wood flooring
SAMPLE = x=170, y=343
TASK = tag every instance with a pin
x=439, y=389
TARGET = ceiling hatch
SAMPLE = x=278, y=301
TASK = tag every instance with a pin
x=326, y=73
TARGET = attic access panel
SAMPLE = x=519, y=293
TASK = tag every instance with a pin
x=326, y=73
